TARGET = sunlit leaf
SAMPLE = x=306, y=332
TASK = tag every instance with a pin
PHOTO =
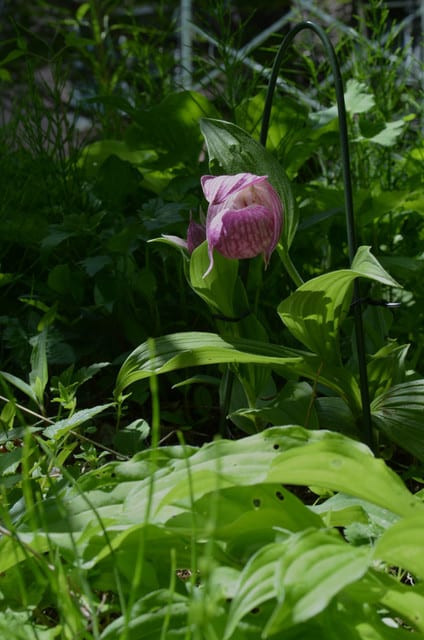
x=193, y=349
x=316, y=310
x=403, y=545
x=302, y=572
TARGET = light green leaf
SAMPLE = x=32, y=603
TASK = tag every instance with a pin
x=316, y=310
x=316, y=566
x=388, y=135
x=246, y=516
x=220, y=298
x=358, y=97
x=403, y=545
x=397, y=600
x=191, y=349
x=280, y=455
x=303, y=573
x=232, y=150
x=386, y=368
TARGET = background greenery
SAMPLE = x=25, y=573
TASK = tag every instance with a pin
x=104, y=534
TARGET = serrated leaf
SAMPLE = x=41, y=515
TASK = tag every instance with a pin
x=61, y=427
x=358, y=97
x=20, y=384
x=316, y=567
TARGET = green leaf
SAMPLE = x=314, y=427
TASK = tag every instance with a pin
x=61, y=427
x=189, y=349
x=303, y=573
x=19, y=625
x=280, y=455
x=219, y=298
x=95, y=154
x=403, y=545
x=386, y=135
x=316, y=310
x=172, y=126
x=20, y=384
x=293, y=405
x=399, y=414
x=366, y=265
x=358, y=97
x=39, y=375
x=327, y=565
x=232, y=150
x=395, y=599
x=245, y=517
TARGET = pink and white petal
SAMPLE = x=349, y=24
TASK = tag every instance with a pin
x=243, y=233
x=218, y=188
x=175, y=240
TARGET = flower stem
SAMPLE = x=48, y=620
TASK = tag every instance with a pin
x=289, y=266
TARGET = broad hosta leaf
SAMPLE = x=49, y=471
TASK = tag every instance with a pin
x=246, y=517
x=315, y=311
x=303, y=573
x=396, y=600
x=350, y=620
x=343, y=510
x=193, y=349
x=154, y=613
x=399, y=413
x=18, y=625
x=232, y=150
x=20, y=384
x=284, y=455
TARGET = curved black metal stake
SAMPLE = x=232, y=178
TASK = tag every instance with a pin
x=366, y=431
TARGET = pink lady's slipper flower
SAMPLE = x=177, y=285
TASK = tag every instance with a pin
x=244, y=218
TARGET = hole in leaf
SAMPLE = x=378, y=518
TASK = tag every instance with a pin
x=256, y=503
x=279, y=495
x=276, y=446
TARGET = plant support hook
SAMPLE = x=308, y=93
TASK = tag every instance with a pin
x=366, y=427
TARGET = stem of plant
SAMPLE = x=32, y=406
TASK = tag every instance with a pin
x=366, y=426
x=289, y=266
